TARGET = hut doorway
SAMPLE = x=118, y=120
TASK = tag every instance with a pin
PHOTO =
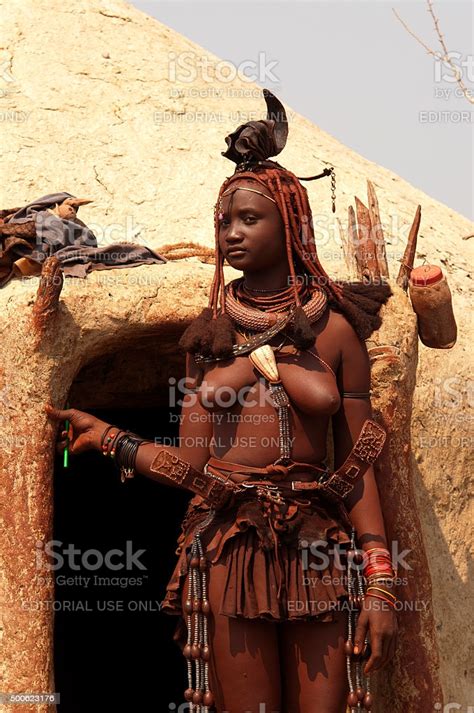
x=114, y=551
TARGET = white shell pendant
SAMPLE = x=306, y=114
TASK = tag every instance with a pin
x=264, y=360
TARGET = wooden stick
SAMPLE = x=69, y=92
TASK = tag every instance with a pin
x=377, y=230
x=353, y=240
x=409, y=255
x=348, y=256
x=365, y=249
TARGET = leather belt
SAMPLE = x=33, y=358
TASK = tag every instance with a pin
x=274, y=471
x=218, y=489
x=364, y=453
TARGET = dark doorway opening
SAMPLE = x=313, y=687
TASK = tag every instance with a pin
x=114, y=648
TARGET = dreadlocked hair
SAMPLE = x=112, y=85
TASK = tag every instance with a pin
x=213, y=332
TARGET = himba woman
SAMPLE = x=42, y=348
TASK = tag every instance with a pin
x=284, y=583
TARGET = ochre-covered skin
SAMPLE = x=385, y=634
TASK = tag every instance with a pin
x=242, y=568
x=258, y=654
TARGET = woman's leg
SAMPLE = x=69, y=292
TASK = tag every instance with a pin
x=244, y=672
x=314, y=665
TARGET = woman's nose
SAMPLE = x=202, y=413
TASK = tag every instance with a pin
x=234, y=234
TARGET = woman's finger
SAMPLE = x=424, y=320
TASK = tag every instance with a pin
x=360, y=633
x=61, y=445
x=374, y=661
x=58, y=414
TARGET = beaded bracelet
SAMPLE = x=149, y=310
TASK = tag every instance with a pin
x=371, y=580
x=107, y=444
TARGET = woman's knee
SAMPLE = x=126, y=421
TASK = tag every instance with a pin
x=245, y=665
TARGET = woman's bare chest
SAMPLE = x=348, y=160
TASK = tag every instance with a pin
x=310, y=384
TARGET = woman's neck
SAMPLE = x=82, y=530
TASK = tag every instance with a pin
x=267, y=281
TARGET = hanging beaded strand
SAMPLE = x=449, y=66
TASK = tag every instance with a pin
x=359, y=698
x=282, y=403
x=197, y=610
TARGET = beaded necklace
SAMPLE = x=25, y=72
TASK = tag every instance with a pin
x=256, y=312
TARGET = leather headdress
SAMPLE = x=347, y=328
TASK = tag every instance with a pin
x=257, y=140
x=252, y=144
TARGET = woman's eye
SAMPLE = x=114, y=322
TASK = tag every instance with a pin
x=248, y=219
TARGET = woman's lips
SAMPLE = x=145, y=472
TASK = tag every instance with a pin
x=236, y=252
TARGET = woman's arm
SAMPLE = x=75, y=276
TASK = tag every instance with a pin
x=195, y=432
x=363, y=503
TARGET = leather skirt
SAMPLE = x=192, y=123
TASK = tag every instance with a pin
x=284, y=557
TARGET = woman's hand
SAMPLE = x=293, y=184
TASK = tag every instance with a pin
x=84, y=433
x=381, y=620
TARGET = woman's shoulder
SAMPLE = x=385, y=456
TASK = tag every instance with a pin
x=336, y=325
x=340, y=322
x=337, y=338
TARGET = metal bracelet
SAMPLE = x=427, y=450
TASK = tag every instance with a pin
x=125, y=454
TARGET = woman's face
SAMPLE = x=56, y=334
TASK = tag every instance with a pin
x=251, y=233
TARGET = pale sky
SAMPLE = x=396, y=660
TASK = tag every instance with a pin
x=352, y=69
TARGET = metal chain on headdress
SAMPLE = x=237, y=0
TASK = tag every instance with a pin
x=360, y=696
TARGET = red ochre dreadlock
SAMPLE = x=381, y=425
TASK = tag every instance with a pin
x=213, y=332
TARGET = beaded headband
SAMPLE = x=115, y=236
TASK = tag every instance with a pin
x=239, y=188
x=253, y=190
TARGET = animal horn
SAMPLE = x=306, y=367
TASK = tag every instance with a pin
x=276, y=112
